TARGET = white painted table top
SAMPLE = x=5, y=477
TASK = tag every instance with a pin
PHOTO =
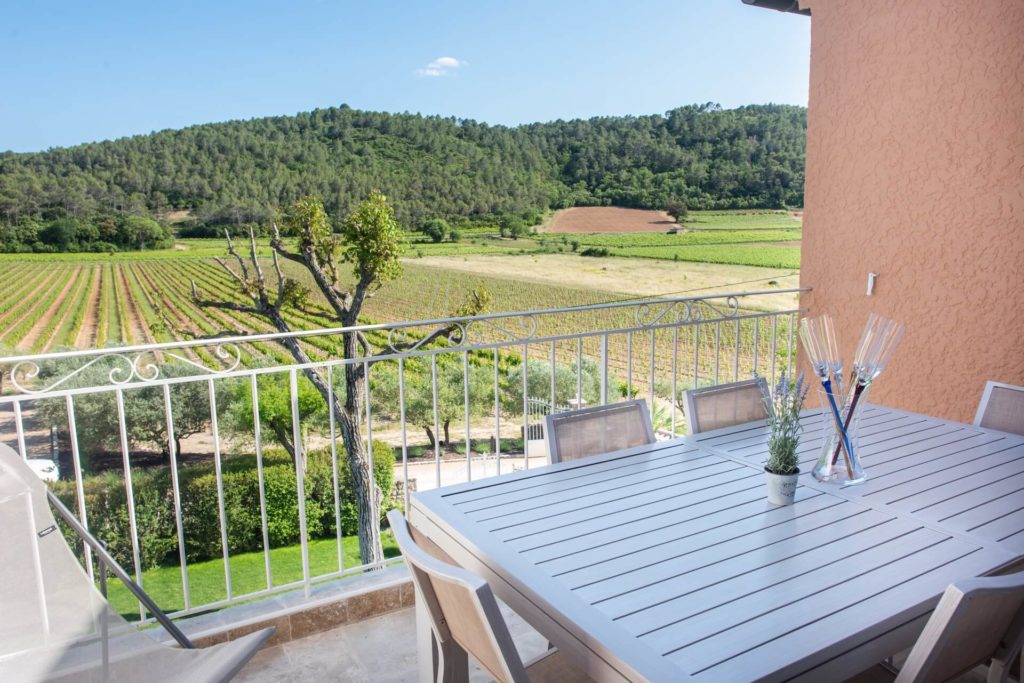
x=665, y=562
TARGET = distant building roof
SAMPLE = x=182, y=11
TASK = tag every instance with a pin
x=780, y=5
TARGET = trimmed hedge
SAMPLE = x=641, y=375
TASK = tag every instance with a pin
x=107, y=508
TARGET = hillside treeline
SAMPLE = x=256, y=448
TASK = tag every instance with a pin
x=238, y=172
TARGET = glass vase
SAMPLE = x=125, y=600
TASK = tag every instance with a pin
x=839, y=460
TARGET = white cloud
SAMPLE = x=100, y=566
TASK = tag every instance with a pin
x=441, y=66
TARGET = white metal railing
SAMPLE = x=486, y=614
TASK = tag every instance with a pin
x=470, y=387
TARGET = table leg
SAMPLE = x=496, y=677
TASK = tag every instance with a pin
x=432, y=657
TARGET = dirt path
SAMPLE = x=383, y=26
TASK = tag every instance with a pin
x=89, y=330
x=26, y=342
x=136, y=325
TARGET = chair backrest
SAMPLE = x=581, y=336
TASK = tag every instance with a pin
x=725, y=405
x=601, y=429
x=1002, y=408
x=460, y=603
x=975, y=621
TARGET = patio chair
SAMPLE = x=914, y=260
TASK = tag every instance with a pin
x=57, y=627
x=602, y=429
x=464, y=611
x=725, y=405
x=977, y=621
x=1002, y=408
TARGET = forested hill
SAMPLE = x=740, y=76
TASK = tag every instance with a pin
x=239, y=171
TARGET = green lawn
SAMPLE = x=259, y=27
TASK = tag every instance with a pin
x=741, y=220
x=696, y=238
x=206, y=579
x=767, y=256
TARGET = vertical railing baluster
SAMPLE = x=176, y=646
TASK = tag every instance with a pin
x=696, y=356
x=629, y=365
x=258, y=436
x=130, y=491
x=172, y=456
x=650, y=379
x=300, y=475
x=553, y=394
x=526, y=407
x=76, y=462
x=405, y=438
x=465, y=396
x=579, y=372
x=369, y=432
x=775, y=333
x=718, y=346
x=333, y=426
x=20, y=429
x=497, y=416
x=757, y=341
x=437, y=418
x=675, y=372
x=736, y=355
x=219, y=471
x=604, y=369
x=789, y=355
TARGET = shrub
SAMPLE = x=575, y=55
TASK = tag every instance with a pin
x=106, y=505
x=595, y=251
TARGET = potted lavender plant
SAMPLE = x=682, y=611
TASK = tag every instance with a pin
x=783, y=404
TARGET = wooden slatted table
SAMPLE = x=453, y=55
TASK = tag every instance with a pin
x=666, y=563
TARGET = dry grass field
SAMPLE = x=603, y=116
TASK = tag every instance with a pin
x=582, y=219
x=630, y=276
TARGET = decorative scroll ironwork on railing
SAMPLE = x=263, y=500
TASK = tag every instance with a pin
x=457, y=333
x=142, y=366
x=651, y=313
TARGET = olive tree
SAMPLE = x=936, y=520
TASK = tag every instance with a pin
x=371, y=239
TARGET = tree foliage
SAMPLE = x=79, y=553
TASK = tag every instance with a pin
x=237, y=173
x=371, y=240
x=436, y=229
x=96, y=418
x=94, y=233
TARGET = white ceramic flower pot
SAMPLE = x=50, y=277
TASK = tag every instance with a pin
x=781, y=487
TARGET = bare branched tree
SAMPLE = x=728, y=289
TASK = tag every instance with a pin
x=372, y=239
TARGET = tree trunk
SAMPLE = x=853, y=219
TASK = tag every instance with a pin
x=430, y=436
x=284, y=437
x=447, y=436
x=367, y=495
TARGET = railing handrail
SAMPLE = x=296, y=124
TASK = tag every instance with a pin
x=372, y=327
x=341, y=362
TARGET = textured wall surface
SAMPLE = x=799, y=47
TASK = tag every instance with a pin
x=915, y=170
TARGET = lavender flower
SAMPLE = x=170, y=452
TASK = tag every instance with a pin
x=784, y=404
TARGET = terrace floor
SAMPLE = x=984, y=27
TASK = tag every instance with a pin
x=379, y=649
x=384, y=649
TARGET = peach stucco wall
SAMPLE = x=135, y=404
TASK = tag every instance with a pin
x=915, y=171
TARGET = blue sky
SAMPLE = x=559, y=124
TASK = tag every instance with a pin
x=73, y=72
